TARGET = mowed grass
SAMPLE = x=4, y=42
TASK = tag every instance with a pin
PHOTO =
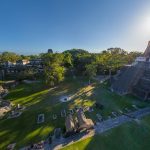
x=129, y=136
x=38, y=98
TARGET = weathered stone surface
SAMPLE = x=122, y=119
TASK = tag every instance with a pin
x=134, y=79
x=127, y=78
x=147, y=51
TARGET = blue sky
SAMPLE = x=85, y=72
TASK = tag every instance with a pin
x=33, y=26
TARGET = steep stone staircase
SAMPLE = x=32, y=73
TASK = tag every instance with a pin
x=127, y=79
x=142, y=88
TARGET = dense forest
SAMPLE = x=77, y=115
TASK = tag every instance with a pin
x=77, y=62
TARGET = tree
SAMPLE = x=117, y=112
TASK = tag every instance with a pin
x=54, y=74
x=75, y=52
x=111, y=60
x=81, y=61
x=9, y=56
x=132, y=56
x=33, y=56
x=91, y=71
x=24, y=57
x=29, y=74
x=53, y=68
x=68, y=60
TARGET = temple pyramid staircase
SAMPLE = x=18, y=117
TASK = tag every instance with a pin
x=128, y=78
x=147, y=51
x=142, y=88
x=135, y=79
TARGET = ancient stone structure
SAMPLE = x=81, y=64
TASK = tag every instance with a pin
x=142, y=88
x=5, y=106
x=83, y=122
x=147, y=51
x=70, y=125
x=77, y=124
x=135, y=78
x=3, y=92
x=49, y=51
x=9, y=69
x=123, y=82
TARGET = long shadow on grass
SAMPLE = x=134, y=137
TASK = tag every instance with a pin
x=23, y=90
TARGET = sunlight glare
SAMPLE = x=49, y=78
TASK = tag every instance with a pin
x=144, y=26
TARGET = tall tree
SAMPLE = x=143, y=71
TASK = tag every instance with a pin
x=68, y=60
x=53, y=68
x=91, y=70
x=9, y=56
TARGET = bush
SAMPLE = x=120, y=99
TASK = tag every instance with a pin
x=29, y=74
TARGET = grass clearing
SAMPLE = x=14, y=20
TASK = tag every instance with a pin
x=39, y=99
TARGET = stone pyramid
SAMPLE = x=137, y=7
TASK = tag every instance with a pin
x=147, y=51
x=135, y=79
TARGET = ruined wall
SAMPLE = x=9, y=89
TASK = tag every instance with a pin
x=147, y=51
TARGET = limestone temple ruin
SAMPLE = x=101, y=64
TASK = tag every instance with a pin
x=134, y=78
x=77, y=124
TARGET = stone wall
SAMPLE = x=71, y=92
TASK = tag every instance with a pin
x=142, y=88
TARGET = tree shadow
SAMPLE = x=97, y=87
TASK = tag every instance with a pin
x=25, y=89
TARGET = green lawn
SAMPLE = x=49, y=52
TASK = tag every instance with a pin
x=129, y=136
x=39, y=99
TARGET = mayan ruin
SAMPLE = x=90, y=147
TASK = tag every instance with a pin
x=135, y=78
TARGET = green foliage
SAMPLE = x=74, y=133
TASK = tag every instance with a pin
x=111, y=60
x=81, y=61
x=107, y=61
x=33, y=56
x=28, y=57
x=78, y=62
x=24, y=57
x=54, y=74
x=53, y=58
x=132, y=55
x=74, y=52
x=37, y=99
x=53, y=68
x=91, y=70
x=68, y=60
x=9, y=56
x=27, y=74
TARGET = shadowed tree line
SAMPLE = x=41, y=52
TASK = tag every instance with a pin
x=77, y=62
x=13, y=57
